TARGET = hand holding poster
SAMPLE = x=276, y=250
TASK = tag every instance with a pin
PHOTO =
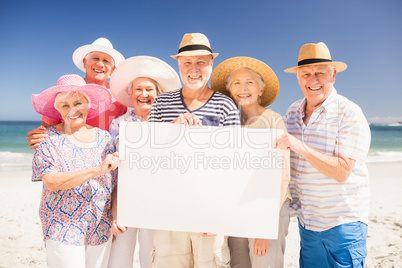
x=199, y=179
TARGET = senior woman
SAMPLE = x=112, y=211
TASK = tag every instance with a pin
x=135, y=83
x=75, y=163
x=253, y=85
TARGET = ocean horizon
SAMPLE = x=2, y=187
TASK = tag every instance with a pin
x=15, y=154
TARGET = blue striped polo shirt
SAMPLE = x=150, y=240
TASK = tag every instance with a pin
x=219, y=110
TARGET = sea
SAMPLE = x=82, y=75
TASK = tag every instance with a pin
x=15, y=154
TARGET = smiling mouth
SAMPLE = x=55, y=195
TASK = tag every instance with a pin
x=195, y=77
x=97, y=71
x=75, y=117
x=244, y=96
x=314, y=88
x=144, y=101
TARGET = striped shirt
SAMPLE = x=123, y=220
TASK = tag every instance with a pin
x=338, y=127
x=219, y=110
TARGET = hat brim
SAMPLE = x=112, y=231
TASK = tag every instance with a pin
x=200, y=52
x=99, y=96
x=80, y=53
x=142, y=66
x=224, y=69
x=339, y=66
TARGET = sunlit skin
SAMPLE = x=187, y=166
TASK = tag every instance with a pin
x=74, y=111
x=195, y=71
x=316, y=83
x=245, y=90
x=99, y=66
x=143, y=95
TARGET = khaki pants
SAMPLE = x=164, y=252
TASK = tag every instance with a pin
x=242, y=249
x=187, y=250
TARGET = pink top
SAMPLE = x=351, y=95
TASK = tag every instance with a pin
x=80, y=215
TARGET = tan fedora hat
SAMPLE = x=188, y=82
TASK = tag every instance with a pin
x=224, y=69
x=316, y=54
x=194, y=44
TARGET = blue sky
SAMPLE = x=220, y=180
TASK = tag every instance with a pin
x=39, y=37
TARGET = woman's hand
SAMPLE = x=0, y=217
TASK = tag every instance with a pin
x=207, y=234
x=261, y=246
x=117, y=228
x=110, y=163
x=188, y=119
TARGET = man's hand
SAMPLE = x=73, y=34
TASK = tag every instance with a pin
x=36, y=136
x=288, y=142
x=188, y=119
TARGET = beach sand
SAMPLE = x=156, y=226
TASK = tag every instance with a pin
x=21, y=242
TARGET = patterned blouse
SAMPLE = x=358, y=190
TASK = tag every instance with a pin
x=80, y=215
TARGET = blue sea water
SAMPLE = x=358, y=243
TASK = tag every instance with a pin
x=386, y=144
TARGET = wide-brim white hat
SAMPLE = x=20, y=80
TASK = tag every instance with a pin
x=100, y=44
x=142, y=66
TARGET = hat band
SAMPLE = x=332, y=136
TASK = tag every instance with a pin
x=310, y=61
x=194, y=47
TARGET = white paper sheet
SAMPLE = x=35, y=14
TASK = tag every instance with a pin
x=199, y=179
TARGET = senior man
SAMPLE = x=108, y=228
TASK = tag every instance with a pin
x=98, y=60
x=329, y=139
x=194, y=104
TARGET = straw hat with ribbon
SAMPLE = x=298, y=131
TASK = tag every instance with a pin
x=194, y=44
x=224, y=69
x=142, y=66
x=316, y=54
x=101, y=45
x=99, y=97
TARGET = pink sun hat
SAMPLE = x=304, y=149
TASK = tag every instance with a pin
x=99, y=96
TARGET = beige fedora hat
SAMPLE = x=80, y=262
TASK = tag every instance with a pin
x=224, y=69
x=316, y=54
x=194, y=44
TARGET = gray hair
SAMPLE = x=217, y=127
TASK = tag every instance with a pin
x=259, y=77
x=129, y=88
x=64, y=94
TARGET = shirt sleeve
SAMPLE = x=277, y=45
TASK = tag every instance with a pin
x=354, y=136
x=155, y=115
x=50, y=121
x=42, y=162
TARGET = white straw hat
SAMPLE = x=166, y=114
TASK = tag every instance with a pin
x=142, y=66
x=101, y=45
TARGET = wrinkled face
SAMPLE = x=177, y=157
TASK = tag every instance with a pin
x=245, y=88
x=73, y=109
x=316, y=82
x=195, y=71
x=99, y=66
x=143, y=94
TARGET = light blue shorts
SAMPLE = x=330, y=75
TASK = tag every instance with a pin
x=341, y=246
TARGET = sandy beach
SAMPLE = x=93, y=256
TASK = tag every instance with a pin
x=21, y=242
